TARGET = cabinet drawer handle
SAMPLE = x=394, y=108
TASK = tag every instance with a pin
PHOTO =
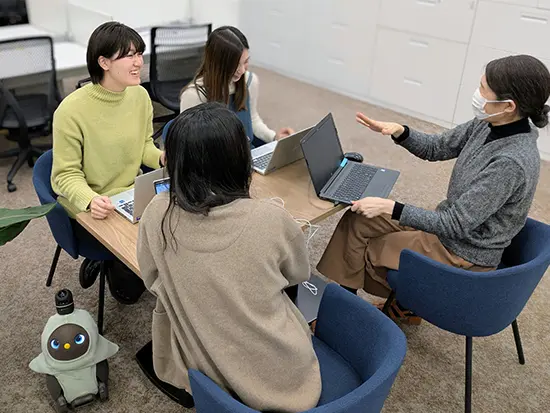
x=428, y=2
x=412, y=82
x=418, y=43
x=339, y=26
x=275, y=45
x=335, y=61
x=534, y=19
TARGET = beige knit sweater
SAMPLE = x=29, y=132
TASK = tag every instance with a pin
x=220, y=302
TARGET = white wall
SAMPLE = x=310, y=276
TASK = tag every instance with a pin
x=217, y=12
x=421, y=57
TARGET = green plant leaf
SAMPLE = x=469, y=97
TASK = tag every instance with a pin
x=9, y=233
x=12, y=216
x=14, y=221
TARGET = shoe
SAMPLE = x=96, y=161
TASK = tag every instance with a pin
x=144, y=358
x=125, y=286
x=89, y=270
x=400, y=314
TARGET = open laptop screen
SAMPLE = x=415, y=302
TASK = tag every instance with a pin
x=323, y=152
x=162, y=185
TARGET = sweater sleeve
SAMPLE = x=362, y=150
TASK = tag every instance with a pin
x=151, y=154
x=67, y=176
x=438, y=147
x=491, y=189
x=295, y=265
x=258, y=126
x=147, y=267
x=190, y=98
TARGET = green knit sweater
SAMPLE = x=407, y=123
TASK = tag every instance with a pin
x=100, y=140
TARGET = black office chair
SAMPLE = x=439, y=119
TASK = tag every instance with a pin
x=27, y=115
x=83, y=82
x=13, y=12
x=176, y=55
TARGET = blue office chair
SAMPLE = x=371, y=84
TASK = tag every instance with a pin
x=68, y=234
x=474, y=304
x=360, y=352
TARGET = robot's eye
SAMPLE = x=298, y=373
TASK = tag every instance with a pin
x=79, y=339
x=55, y=344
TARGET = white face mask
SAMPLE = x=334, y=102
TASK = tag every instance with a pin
x=478, y=105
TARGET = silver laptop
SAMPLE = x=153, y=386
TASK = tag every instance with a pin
x=274, y=155
x=131, y=203
x=334, y=177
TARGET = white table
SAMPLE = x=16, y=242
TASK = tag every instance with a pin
x=21, y=30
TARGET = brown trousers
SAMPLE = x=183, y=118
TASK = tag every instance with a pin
x=362, y=249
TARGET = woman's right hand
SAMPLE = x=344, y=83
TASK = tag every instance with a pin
x=385, y=128
x=101, y=207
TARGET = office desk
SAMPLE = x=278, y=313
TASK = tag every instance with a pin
x=291, y=183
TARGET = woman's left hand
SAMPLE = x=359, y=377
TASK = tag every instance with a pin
x=284, y=132
x=372, y=207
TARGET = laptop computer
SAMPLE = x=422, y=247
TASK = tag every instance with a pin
x=131, y=203
x=334, y=177
x=274, y=155
x=161, y=185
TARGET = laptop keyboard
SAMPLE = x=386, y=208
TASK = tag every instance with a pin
x=263, y=161
x=128, y=207
x=356, y=182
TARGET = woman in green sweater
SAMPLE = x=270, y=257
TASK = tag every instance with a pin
x=102, y=135
x=102, y=132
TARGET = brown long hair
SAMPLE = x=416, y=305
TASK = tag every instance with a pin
x=222, y=55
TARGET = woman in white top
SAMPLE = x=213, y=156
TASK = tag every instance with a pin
x=223, y=77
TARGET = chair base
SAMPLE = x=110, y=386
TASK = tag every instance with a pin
x=27, y=154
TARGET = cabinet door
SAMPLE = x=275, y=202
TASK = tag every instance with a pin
x=544, y=4
x=418, y=73
x=514, y=28
x=276, y=30
x=342, y=44
x=444, y=19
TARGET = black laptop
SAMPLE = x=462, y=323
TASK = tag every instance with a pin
x=334, y=177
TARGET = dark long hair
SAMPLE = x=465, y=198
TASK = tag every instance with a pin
x=525, y=80
x=222, y=55
x=208, y=160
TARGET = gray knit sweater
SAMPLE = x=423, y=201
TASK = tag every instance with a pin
x=490, y=192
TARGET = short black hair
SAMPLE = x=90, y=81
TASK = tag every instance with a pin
x=525, y=80
x=107, y=40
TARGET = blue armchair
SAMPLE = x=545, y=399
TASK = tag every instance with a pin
x=360, y=352
x=68, y=234
x=474, y=304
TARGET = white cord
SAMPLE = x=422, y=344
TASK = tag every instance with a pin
x=311, y=287
x=279, y=199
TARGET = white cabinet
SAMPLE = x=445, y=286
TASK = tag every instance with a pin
x=341, y=44
x=544, y=4
x=528, y=3
x=278, y=33
x=514, y=28
x=477, y=59
x=445, y=19
x=419, y=73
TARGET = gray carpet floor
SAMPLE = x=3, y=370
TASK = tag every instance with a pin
x=432, y=377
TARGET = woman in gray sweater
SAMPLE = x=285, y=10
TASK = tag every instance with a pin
x=218, y=263
x=489, y=195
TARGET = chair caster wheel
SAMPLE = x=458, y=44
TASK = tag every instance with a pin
x=11, y=187
x=30, y=162
x=103, y=392
x=61, y=406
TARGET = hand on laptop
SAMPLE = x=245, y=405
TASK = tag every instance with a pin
x=101, y=207
x=385, y=128
x=372, y=207
x=284, y=132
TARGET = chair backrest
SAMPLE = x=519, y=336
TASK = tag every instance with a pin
x=475, y=303
x=176, y=55
x=31, y=56
x=58, y=220
x=83, y=82
x=368, y=340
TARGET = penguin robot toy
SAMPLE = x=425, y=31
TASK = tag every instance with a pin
x=74, y=356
